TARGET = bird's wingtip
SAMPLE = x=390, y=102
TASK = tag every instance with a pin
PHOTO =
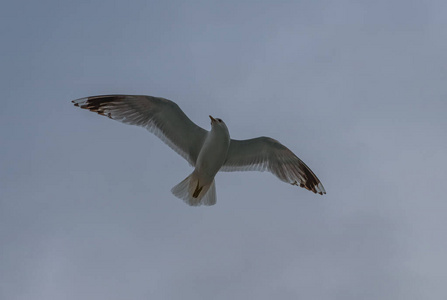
x=80, y=101
x=320, y=189
x=317, y=189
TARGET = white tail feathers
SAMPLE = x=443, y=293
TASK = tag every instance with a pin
x=193, y=193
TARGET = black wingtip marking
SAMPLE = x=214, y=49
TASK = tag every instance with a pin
x=97, y=104
x=308, y=186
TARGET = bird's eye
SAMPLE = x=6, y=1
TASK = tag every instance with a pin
x=220, y=121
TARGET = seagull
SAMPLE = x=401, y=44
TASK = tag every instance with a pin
x=207, y=151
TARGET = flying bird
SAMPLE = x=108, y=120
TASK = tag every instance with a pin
x=207, y=151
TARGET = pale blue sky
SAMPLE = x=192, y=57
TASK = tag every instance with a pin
x=357, y=89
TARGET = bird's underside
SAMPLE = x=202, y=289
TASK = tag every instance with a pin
x=166, y=120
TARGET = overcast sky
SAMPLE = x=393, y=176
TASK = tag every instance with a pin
x=357, y=89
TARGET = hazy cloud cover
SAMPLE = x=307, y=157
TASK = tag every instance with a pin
x=357, y=89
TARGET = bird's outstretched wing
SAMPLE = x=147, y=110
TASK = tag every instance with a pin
x=160, y=116
x=263, y=153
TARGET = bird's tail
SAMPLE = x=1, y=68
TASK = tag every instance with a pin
x=194, y=193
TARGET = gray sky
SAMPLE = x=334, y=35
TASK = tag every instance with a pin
x=357, y=89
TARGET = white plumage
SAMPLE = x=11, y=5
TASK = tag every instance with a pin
x=207, y=151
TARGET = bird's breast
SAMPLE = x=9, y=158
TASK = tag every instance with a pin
x=213, y=153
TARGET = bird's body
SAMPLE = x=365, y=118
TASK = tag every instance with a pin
x=214, y=150
x=207, y=151
x=211, y=157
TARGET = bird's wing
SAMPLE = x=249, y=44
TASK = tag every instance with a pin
x=160, y=116
x=263, y=153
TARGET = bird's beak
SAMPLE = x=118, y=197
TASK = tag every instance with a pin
x=212, y=119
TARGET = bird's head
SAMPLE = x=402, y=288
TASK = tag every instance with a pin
x=218, y=123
